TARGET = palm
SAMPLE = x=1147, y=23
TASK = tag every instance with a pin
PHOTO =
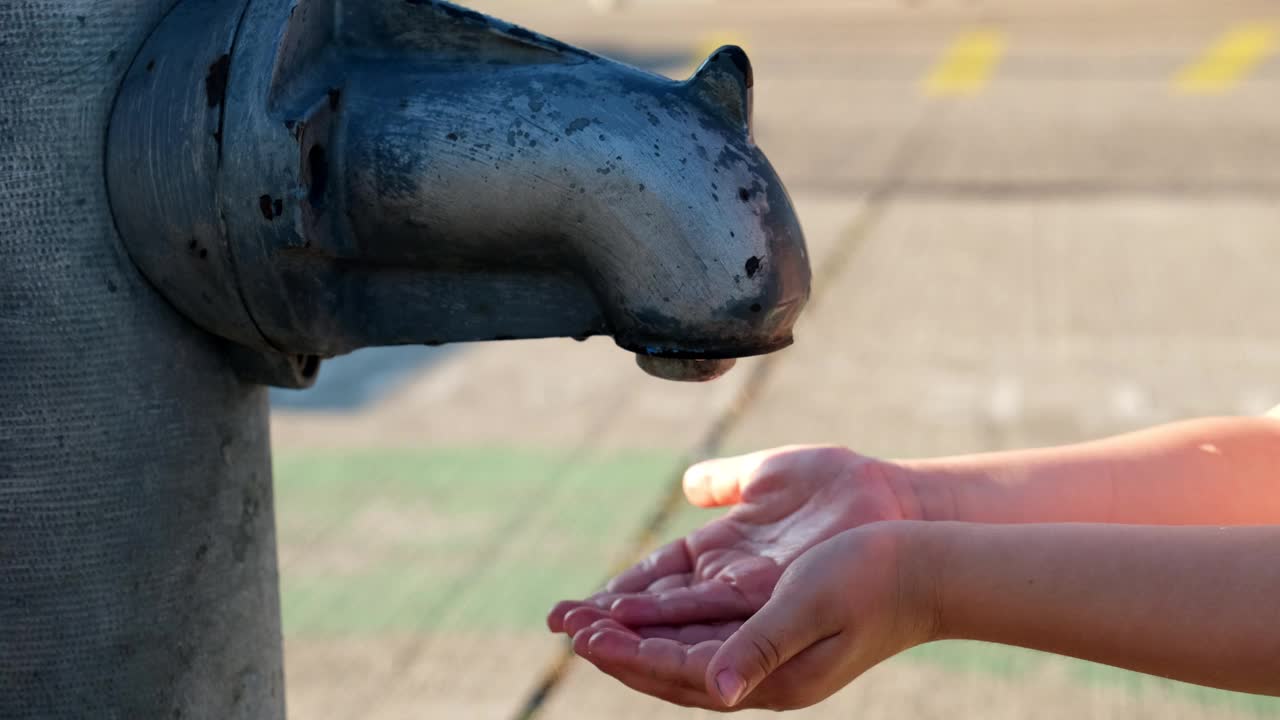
x=786, y=502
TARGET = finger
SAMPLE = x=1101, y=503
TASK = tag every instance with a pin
x=672, y=663
x=603, y=648
x=611, y=624
x=603, y=600
x=600, y=601
x=705, y=602
x=682, y=696
x=685, y=635
x=608, y=624
x=670, y=582
x=690, y=634
x=555, y=618
x=788, y=624
x=721, y=482
x=583, y=617
x=670, y=559
x=579, y=643
x=807, y=679
x=581, y=638
x=803, y=681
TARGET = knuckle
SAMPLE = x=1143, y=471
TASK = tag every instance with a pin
x=766, y=656
x=834, y=455
x=768, y=475
x=775, y=657
x=797, y=464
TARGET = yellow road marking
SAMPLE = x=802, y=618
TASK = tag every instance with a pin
x=967, y=64
x=1227, y=62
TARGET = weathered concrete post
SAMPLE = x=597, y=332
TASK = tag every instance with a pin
x=137, y=546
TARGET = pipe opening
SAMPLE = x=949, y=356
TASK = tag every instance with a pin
x=307, y=365
x=317, y=176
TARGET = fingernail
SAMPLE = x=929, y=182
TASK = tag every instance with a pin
x=592, y=639
x=730, y=684
x=580, y=619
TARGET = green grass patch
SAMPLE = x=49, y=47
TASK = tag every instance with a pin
x=464, y=539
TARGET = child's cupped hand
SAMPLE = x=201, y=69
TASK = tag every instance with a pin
x=785, y=501
x=845, y=605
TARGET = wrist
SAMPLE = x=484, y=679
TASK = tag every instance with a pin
x=931, y=562
x=919, y=550
x=930, y=490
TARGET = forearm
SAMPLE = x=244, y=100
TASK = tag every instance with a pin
x=1222, y=471
x=1192, y=604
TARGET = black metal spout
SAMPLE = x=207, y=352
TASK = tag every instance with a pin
x=647, y=195
x=401, y=173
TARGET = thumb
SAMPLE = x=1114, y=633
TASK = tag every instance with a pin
x=721, y=482
x=788, y=624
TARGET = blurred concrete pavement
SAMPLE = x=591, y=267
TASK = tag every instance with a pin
x=1031, y=222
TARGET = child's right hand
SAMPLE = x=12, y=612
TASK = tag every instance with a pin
x=786, y=501
x=846, y=605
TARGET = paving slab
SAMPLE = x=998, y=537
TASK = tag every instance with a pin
x=414, y=570
x=967, y=326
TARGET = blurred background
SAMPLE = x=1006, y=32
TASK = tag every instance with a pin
x=1031, y=222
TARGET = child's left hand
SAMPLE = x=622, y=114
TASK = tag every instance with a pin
x=785, y=501
x=844, y=606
